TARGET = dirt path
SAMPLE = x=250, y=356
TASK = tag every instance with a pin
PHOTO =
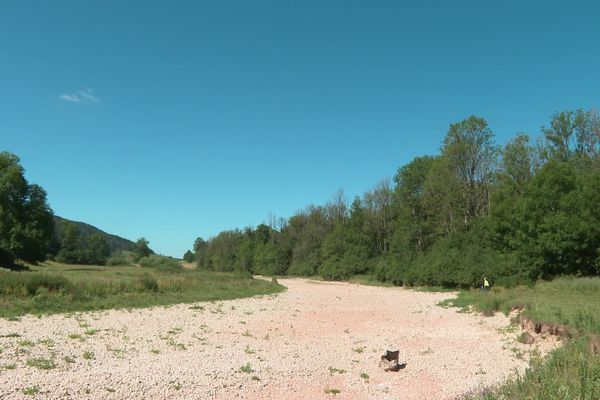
x=295, y=345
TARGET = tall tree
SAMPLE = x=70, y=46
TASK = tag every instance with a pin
x=26, y=222
x=98, y=249
x=472, y=154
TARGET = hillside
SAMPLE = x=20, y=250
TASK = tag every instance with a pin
x=115, y=243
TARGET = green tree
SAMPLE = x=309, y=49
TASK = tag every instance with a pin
x=26, y=221
x=189, y=256
x=98, y=249
x=142, y=248
x=71, y=251
x=472, y=156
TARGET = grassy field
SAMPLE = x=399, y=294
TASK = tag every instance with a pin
x=54, y=288
x=571, y=372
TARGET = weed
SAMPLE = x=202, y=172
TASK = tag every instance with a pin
x=25, y=343
x=88, y=355
x=246, y=368
x=336, y=370
x=365, y=376
x=248, y=350
x=10, y=366
x=41, y=363
x=358, y=349
x=31, y=391
x=332, y=391
x=155, y=351
x=49, y=342
x=255, y=378
x=69, y=360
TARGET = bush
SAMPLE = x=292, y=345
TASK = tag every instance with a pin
x=29, y=284
x=121, y=258
x=160, y=263
x=147, y=282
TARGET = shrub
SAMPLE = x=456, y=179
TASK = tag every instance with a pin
x=161, y=263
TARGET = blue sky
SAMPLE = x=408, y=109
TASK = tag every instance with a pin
x=173, y=120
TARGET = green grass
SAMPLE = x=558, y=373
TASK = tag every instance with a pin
x=41, y=363
x=246, y=368
x=31, y=391
x=57, y=288
x=570, y=372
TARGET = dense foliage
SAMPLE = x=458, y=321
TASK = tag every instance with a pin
x=26, y=223
x=115, y=243
x=514, y=214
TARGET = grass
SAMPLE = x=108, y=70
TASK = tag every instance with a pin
x=246, y=368
x=41, y=363
x=31, y=391
x=336, y=370
x=88, y=355
x=332, y=391
x=51, y=288
x=570, y=372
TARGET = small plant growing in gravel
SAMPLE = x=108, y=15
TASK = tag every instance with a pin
x=248, y=350
x=358, y=349
x=41, y=363
x=11, y=335
x=175, y=331
x=49, y=342
x=75, y=336
x=246, y=368
x=69, y=360
x=255, y=378
x=91, y=332
x=332, y=391
x=336, y=370
x=365, y=376
x=247, y=334
x=88, y=355
x=110, y=390
x=25, y=343
x=175, y=385
x=31, y=391
x=10, y=366
x=155, y=351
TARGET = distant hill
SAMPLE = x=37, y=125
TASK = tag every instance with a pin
x=115, y=243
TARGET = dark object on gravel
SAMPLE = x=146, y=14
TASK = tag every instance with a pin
x=389, y=361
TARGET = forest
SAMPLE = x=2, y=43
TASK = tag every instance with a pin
x=516, y=213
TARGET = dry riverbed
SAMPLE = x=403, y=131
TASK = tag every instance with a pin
x=315, y=341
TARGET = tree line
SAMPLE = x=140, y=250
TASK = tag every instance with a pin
x=514, y=213
x=28, y=228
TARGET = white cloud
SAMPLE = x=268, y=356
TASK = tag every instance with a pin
x=80, y=96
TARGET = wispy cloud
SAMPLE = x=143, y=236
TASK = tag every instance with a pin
x=80, y=96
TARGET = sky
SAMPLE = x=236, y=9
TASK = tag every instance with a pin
x=172, y=120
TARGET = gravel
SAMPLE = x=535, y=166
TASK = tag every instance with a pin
x=317, y=340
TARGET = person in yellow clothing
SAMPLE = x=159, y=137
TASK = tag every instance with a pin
x=486, y=284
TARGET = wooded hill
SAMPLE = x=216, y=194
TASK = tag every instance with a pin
x=115, y=243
